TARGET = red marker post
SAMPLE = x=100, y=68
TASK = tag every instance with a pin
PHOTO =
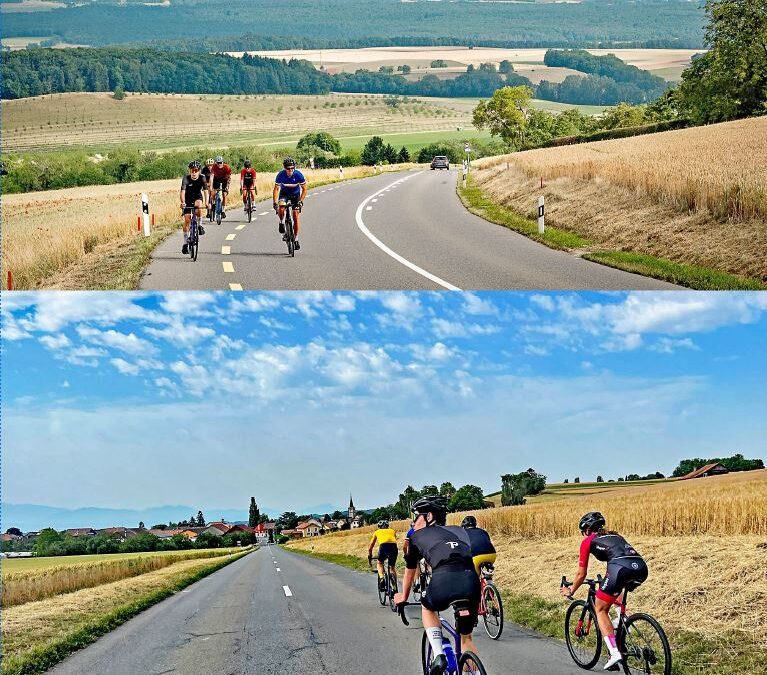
x=10, y=281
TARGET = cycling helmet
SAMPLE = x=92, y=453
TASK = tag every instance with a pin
x=383, y=524
x=289, y=163
x=591, y=522
x=469, y=521
x=219, y=159
x=195, y=164
x=246, y=164
x=209, y=162
x=431, y=504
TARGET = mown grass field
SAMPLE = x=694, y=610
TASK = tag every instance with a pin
x=694, y=196
x=705, y=542
x=38, y=634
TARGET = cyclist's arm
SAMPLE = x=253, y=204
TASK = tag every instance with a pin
x=583, y=565
x=276, y=192
x=371, y=544
x=303, y=192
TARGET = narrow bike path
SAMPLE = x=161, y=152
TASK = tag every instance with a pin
x=405, y=230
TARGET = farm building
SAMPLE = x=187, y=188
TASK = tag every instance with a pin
x=715, y=469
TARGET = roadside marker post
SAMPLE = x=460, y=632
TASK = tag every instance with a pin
x=541, y=215
x=145, y=213
x=465, y=173
x=341, y=172
x=10, y=281
x=138, y=225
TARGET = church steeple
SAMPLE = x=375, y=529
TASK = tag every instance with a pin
x=352, y=512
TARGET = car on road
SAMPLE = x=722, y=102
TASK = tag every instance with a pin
x=440, y=162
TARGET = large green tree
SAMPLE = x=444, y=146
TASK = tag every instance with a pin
x=729, y=81
x=504, y=114
x=254, y=515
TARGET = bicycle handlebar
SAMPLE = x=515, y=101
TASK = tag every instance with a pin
x=401, y=611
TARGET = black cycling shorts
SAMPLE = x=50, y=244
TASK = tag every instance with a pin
x=293, y=199
x=218, y=182
x=624, y=573
x=388, y=552
x=448, y=584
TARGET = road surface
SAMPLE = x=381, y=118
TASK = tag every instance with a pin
x=282, y=613
x=404, y=231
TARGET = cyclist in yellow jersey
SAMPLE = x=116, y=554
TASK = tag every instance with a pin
x=387, y=549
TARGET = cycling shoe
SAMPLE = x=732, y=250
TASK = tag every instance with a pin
x=438, y=665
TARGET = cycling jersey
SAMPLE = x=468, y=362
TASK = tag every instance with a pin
x=206, y=172
x=290, y=186
x=385, y=536
x=223, y=172
x=440, y=545
x=248, y=176
x=625, y=567
x=480, y=541
x=193, y=188
x=605, y=547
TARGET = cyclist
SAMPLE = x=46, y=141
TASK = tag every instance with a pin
x=482, y=549
x=447, y=551
x=625, y=567
x=194, y=193
x=222, y=176
x=248, y=182
x=206, y=172
x=387, y=550
x=289, y=185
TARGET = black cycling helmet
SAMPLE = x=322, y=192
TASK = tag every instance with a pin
x=591, y=522
x=246, y=164
x=288, y=163
x=195, y=164
x=383, y=524
x=469, y=521
x=432, y=504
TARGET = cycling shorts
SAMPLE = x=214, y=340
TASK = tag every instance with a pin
x=190, y=201
x=388, y=552
x=485, y=558
x=219, y=182
x=448, y=584
x=293, y=199
x=622, y=573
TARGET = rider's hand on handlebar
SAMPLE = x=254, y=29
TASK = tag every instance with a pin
x=300, y=205
x=399, y=598
x=274, y=206
x=565, y=590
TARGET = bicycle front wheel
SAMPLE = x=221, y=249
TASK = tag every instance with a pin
x=493, y=616
x=645, y=646
x=392, y=590
x=290, y=237
x=427, y=655
x=584, y=641
x=382, y=592
x=470, y=663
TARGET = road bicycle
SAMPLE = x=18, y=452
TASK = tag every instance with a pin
x=490, y=605
x=458, y=662
x=421, y=581
x=386, y=590
x=640, y=638
x=193, y=238
x=249, y=204
x=218, y=207
x=290, y=235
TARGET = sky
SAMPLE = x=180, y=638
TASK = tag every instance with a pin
x=130, y=400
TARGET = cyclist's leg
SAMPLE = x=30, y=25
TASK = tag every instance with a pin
x=296, y=218
x=224, y=194
x=610, y=590
x=198, y=211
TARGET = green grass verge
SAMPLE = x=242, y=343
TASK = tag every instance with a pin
x=682, y=274
x=692, y=653
x=41, y=658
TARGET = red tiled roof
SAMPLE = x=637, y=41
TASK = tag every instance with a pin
x=702, y=470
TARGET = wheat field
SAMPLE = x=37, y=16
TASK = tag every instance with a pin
x=44, y=233
x=24, y=586
x=705, y=542
x=694, y=195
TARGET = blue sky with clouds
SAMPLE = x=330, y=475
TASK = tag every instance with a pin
x=131, y=400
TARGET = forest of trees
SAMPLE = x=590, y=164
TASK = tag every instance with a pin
x=263, y=24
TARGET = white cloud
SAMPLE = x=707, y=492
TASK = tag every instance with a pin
x=473, y=304
x=125, y=342
x=55, y=342
x=443, y=328
x=188, y=303
x=180, y=333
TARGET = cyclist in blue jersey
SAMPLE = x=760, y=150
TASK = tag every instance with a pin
x=289, y=185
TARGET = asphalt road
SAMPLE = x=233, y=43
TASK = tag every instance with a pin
x=282, y=613
x=404, y=231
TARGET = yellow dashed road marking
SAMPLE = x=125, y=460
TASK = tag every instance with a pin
x=230, y=237
x=240, y=227
x=228, y=267
x=226, y=250
x=235, y=287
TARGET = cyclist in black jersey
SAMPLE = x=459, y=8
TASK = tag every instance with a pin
x=447, y=551
x=482, y=549
x=626, y=570
x=194, y=193
x=206, y=172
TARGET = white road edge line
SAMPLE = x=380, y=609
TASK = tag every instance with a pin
x=279, y=570
x=394, y=254
x=288, y=592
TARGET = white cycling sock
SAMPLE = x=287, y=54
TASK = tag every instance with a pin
x=612, y=645
x=186, y=238
x=434, y=636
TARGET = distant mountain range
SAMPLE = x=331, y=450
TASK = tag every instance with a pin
x=33, y=517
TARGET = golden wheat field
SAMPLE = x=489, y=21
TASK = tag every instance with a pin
x=695, y=195
x=24, y=586
x=705, y=542
x=44, y=233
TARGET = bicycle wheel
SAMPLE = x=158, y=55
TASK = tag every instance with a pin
x=382, y=592
x=392, y=590
x=645, y=646
x=193, y=241
x=290, y=237
x=470, y=663
x=584, y=641
x=426, y=654
x=493, y=616
x=218, y=214
x=250, y=209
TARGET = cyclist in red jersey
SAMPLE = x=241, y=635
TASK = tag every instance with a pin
x=222, y=176
x=248, y=182
x=626, y=570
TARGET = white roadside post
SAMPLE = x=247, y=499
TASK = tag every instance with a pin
x=541, y=215
x=341, y=172
x=465, y=173
x=145, y=214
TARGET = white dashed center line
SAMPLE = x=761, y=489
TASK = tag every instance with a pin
x=288, y=592
x=278, y=569
x=235, y=287
x=226, y=250
x=264, y=213
x=240, y=227
x=230, y=237
x=228, y=267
